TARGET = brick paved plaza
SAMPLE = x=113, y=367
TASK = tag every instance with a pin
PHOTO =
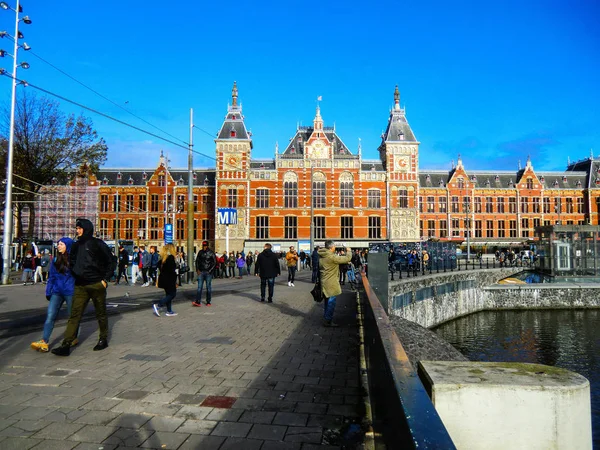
x=240, y=374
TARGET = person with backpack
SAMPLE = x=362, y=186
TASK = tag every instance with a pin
x=28, y=265
x=59, y=289
x=249, y=262
x=45, y=263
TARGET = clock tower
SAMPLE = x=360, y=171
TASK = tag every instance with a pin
x=233, y=151
x=318, y=145
x=399, y=153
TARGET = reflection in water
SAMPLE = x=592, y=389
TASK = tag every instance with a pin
x=565, y=338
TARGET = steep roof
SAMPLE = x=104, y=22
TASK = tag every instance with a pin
x=398, y=128
x=233, y=127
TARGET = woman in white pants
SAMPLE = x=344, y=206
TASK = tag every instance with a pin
x=38, y=269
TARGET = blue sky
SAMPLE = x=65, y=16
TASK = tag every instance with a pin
x=492, y=81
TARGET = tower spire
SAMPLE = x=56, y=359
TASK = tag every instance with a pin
x=396, y=98
x=234, y=94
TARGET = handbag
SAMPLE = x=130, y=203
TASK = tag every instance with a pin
x=317, y=292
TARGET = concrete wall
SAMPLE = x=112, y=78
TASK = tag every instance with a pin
x=510, y=405
x=435, y=299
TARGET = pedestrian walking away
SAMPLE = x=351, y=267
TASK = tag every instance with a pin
x=92, y=265
x=59, y=289
x=167, y=280
x=206, y=262
x=135, y=266
x=291, y=259
x=123, y=264
x=314, y=257
x=145, y=265
x=329, y=265
x=45, y=263
x=267, y=267
x=28, y=265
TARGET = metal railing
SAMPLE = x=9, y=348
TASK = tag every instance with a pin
x=402, y=269
x=403, y=413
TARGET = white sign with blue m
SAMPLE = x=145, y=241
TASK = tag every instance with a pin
x=227, y=216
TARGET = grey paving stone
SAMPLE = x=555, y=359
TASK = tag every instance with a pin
x=4, y=423
x=15, y=443
x=249, y=404
x=226, y=415
x=65, y=415
x=41, y=400
x=32, y=413
x=92, y=433
x=291, y=419
x=90, y=446
x=128, y=437
x=166, y=397
x=197, y=426
x=97, y=418
x=10, y=410
x=299, y=396
x=279, y=405
x=101, y=404
x=304, y=434
x=343, y=410
x=189, y=399
x=59, y=431
x=55, y=445
x=311, y=408
x=165, y=439
x=132, y=395
x=279, y=445
x=201, y=442
x=264, y=417
x=24, y=428
x=193, y=412
x=234, y=443
x=71, y=402
x=267, y=432
x=233, y=429
x=127, y=420
x=325, y=421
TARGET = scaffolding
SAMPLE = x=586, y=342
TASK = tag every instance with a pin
x=60, y=206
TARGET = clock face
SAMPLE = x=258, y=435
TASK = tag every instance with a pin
x=401, y=163
x=232, y=162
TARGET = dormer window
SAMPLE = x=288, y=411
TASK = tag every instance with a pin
x=597, y=181
x=105, y=180
x=299, y=139
x=232, y=133
x=564, y=179
x=497, y=178
x=372, y=167
x=130, y=181
x=487, y=183
x=54, y=180
x=474, y=178
x=461, y=183
x=401, y=136
x=428, y=178
x=578, y=184
x=119, y=176
x=195, y=176
x=341, y=151
x=542, y=179
x=441, y=183
x=180, y=181
x=555, y=184
x=205, y=181
x=233, y=117
x=510, y=183
x=293, y=150
x=262, y=165
x=144, y=175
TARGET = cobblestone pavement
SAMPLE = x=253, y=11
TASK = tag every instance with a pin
x=240, y=374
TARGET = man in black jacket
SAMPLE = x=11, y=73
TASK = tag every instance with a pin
x=206, y=262
x=92, y=265
x=267, y=267
x=123, y=263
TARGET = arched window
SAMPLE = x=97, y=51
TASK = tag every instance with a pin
x=290, y=190
x=461, y=183
x=318, y=190
x=403, y=198
x=346, y=190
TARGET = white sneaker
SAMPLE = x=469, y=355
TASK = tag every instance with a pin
x=289, y=283
x=171, y=314
x=292, y=285
x=145, y=285
x=155, y=308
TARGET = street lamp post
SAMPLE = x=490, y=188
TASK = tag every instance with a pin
x=190, y=204
x=6, y=241
x=467, y=207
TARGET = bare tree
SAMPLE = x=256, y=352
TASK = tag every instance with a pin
x=49, y=144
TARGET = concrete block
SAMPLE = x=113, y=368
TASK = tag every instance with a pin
x=510, y=405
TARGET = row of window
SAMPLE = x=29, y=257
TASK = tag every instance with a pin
x=126, y=230
x=498, y=205
x=500, y=228
x=129, y=203
x=346, y=226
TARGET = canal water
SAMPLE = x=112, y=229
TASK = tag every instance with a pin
x=564, y=338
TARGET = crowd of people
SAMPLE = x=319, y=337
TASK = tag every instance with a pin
x=83, y=268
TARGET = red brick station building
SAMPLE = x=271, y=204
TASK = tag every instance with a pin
x=350, y=199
